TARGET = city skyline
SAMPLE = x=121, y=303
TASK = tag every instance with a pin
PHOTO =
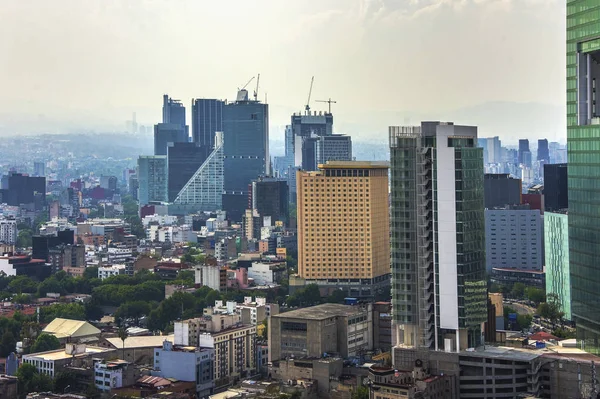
x=63, y=96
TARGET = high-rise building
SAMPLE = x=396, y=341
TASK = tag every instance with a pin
x=152, y=179
x=39, y=169
x=8, y=231
x=246, y=150
x=583, y=137
x=173, y=111
x=513, y=238
x=317, y=123
x=556, y=187
x=501, y=190
x=543, y=152
x=317, y=150
x=204, y=190
x=494, y=149
x=343, y=227
x=556, y=248
x=207, y=119
x=270, y=198
x=183, y=161
x=523, y=147
x=23, y=189
x=439, y=288
x=166, y=134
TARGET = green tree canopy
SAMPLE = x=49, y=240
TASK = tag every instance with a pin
x=45, y=342
x=30, y=380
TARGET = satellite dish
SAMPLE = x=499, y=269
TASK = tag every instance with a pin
x=418, y=363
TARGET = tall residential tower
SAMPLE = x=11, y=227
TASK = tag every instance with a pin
x=439, y=289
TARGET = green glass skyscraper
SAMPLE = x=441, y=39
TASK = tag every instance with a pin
x=583, y=137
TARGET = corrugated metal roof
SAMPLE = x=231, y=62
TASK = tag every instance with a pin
x=63, y=328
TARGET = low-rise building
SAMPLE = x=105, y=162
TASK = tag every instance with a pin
x=8, y=387
x=267, y=273
x=67, y=330
x=388, y=383
x=109, y=271
x=329, y=328
x=53, y=362
x=187, y=363
x=214, y=277
x=136, y=349
x=113, y=374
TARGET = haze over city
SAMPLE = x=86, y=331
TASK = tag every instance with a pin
x=73, y=66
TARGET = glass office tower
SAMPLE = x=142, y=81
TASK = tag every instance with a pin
x=583, y=140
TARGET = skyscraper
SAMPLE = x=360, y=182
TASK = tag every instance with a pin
x=501, y=190
x=583, y=137
x=173, y=111
x=439, y=289
x=183, y=161
x=39, y=169
x=246, y=150
x=270, y=197
x=167, y=133
x=523, y=150
x=556, y=187
x=204, y=190
x=207, y=119
x=343, y=227
x=494, y=149
x=543, y=152
x=152, y=178
x=318, y=150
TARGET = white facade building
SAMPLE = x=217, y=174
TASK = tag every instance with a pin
x=8, y=231
x=109, y=375
x=109, y=271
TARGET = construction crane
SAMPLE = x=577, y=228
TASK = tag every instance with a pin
x=251, y=79
x=256, y=91
x=309, y=93
x=330, y=101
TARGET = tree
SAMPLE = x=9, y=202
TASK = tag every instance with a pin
x=518, y=290
x=123, y=336
x=45, y=342
x=337, y=296
x=132, y=310
x=535, y=295
x=361, y=393
x=8, y=344
x=551, y=309
x=24, y=238
x=64, y=380
x=30, y=380
x=21, y=284
x=74, y=311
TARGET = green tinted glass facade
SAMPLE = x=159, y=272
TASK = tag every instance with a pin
x=583, y=137
x=556, y=240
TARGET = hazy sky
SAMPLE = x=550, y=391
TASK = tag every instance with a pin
x=89, y=64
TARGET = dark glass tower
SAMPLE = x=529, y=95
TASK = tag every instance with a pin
x=583, y=140
x=556, y=195
x=543, y=152
x=207, y=118
x=166, y=134
x=246, y=151
x=270, y=198
x=524, y=153
x=183, y=159
x=439, y=289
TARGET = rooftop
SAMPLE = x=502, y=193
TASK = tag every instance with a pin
x=63, y=328
x=60, y=354
x=150, y=341
x=355, y=165
x=321, y=312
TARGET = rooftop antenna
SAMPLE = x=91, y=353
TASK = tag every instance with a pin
x=256, y=91
x=307, y=108
x=330, y=101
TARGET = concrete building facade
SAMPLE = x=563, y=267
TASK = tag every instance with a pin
x=514, y=238
x=343, y=228
x=332, y=329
